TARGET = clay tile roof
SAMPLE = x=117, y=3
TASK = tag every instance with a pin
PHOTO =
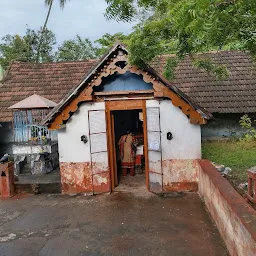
x=34, y=101
x=234, y=94
x=50, y=80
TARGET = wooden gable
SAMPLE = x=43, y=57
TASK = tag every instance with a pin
x=116, y=62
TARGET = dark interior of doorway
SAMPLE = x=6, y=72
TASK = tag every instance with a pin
x=131, y=120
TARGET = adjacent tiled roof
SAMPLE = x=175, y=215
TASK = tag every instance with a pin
x=235, y=94
x=50, y=80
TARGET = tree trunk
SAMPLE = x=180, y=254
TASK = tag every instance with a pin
x=43, y=31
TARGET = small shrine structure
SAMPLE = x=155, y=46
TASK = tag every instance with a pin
x=35, y=148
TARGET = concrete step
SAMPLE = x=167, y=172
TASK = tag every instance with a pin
x=48, y=183
x=50, y=188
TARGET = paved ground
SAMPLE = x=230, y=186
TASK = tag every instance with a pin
x=117, y=224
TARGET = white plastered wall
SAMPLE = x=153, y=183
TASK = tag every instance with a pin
x=71, y=148
x=178, y=154
x=186, y=142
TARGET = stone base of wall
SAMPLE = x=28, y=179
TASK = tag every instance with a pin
x=181, y=187
x=180, y=175
x=155, y=182
x=78, y=178
x=101, y=183
x=235, y=219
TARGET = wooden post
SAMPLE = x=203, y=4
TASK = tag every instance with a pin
x=251, y=194
x=145, y=131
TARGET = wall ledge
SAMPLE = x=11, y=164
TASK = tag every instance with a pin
x=244, y=212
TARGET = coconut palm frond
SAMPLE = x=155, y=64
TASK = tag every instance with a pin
x=61, y=2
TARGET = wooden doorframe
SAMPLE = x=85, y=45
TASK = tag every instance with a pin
x=124, y=105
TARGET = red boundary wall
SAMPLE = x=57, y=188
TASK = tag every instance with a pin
x=235, y=219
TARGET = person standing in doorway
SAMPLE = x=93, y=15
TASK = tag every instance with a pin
x=127, y=145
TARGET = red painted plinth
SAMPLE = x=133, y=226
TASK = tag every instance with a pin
x=7, y=180
x=138, y=160
x=251, y=194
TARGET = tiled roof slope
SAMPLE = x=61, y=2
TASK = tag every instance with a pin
x=235, y=94
x=50, y=80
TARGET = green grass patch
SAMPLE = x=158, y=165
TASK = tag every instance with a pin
x=238, y=155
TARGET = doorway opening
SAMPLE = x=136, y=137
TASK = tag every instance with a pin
x=132, y=121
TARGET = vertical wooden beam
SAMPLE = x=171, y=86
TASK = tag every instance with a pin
x=114, y=147
x=110, y=147
x=144, y=110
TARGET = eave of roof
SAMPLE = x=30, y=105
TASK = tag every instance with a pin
x=54, y=81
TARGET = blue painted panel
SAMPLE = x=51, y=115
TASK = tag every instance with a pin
x=125, y=82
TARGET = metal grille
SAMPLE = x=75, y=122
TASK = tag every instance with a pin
x=26, y=125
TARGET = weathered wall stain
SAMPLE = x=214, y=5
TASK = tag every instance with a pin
x=76, y=177
x=180, y=175
x=101, y=182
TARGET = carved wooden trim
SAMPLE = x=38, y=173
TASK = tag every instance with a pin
x=160, y=90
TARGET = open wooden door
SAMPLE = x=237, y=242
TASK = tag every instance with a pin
x=99, y=154
x=154, y=149
x=114, y=148
x=123, y=105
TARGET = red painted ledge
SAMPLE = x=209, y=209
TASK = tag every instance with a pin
x=239, y=206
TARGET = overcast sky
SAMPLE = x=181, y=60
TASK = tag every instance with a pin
x=83, y=17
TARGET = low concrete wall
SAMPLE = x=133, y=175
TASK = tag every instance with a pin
x=235, y=219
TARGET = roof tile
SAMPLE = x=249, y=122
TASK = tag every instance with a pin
x=235, y=94
x=50, y=80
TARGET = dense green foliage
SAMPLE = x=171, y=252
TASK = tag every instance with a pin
x=107, y=41
x=249, y=125
x=25, y=48
x=187, y=26
x=170, y=26
x=76, y=49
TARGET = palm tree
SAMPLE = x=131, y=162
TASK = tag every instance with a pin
x=48, y=3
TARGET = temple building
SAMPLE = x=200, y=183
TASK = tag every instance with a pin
x=112, y=98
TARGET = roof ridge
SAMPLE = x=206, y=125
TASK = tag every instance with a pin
x=55, y=62
x=201, y=53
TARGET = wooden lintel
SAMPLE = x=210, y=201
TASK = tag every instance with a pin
x=123, y=92
x=124, y=105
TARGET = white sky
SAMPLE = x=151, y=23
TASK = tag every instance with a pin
x=83, y=17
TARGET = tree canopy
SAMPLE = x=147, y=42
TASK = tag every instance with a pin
x=187, y=26
x=25, y=48
x=76, y=49
x=107, y=41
